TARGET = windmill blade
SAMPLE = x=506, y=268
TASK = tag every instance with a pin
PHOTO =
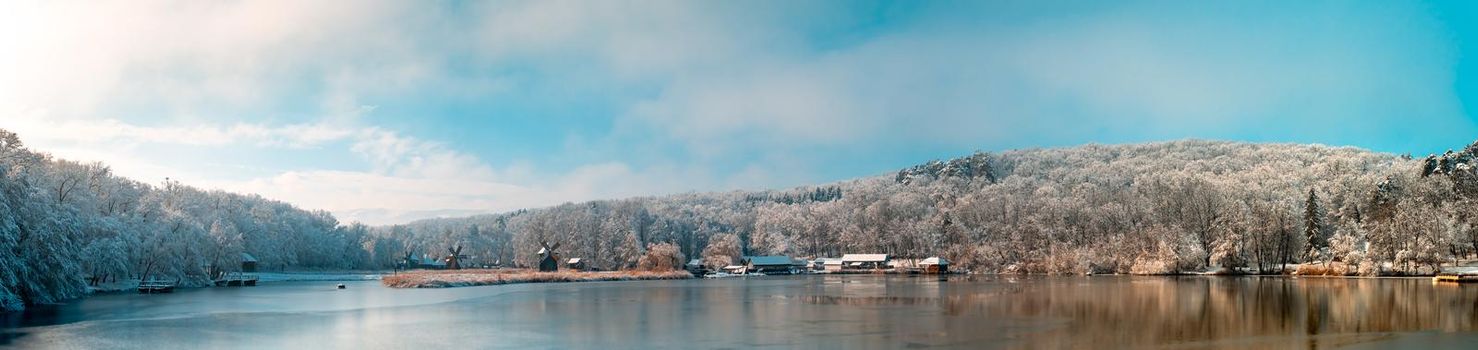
x=544, y=244
x=556, y=246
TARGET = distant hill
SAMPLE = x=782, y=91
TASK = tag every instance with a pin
x=1162, y=207
x=1144, y=208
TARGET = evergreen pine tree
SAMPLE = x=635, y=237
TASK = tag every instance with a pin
x=1314, y=241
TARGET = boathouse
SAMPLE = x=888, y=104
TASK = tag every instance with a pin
x=864, y=261
x=827, y=264
x=770, y=265
x=935, y=265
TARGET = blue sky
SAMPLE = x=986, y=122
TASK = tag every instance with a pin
x=385, y=111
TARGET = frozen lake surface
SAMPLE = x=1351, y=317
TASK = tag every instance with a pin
x=778, y=312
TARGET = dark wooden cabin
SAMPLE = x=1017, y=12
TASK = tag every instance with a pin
x=248, y=263
x=576, y=264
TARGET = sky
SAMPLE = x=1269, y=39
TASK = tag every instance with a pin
x=389, y=111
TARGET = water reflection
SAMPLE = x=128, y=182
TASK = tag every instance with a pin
x=1230, y=312
x=785, y=312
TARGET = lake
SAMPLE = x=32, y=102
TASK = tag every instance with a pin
x=779, y=312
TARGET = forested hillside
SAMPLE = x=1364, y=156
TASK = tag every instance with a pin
x=1147, y=208
x=66, y=225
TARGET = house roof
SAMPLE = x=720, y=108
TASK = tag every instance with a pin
x=773, y=260
x=695, y=262
x=573, y=261
x=248, y=258
x=828, y=261
x=865, y=257
x=934, y=261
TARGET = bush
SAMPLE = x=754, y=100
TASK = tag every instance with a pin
x=1324, y=269
x=661, y=257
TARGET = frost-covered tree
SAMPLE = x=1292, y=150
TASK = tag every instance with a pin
x=722, y=250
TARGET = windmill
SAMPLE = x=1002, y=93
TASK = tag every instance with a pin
x=453, y=258
x=409, y=260
x=548, y=259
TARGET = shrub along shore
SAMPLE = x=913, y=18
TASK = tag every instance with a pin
x=484, y=277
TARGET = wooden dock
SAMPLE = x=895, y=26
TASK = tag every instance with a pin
x=236, y=280
x=1455, y=278
x=155, y=287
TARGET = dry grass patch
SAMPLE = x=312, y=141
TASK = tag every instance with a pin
x=1330, y=269
x=465, y=278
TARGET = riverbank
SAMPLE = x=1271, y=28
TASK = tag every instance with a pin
x=484, y=277
x=131, y=285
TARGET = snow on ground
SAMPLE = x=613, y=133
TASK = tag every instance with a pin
x=317, y=276
x=1463, y=270
x=114, y=287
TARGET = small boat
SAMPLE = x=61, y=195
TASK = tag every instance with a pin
x=341, y=286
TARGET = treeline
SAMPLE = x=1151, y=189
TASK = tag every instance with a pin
x=1148, y=208
x=65, y=226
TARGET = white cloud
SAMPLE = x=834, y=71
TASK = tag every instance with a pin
x=196, y=59
x=736, y=80
x=38, y=127
x=740, y=86
x=403, y=177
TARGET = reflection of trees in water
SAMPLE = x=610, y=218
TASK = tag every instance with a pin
x=1226, y=311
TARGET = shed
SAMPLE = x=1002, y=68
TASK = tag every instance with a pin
x=935, y=265
x=865, y=261
x=575, y=264
x=248, y=263
x=696, y=267
x=827, y=264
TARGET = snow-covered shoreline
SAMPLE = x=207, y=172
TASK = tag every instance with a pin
x=468, y=278
x=318, y=276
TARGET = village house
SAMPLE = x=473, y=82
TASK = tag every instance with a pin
x=576, y=264
x=430, y=262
